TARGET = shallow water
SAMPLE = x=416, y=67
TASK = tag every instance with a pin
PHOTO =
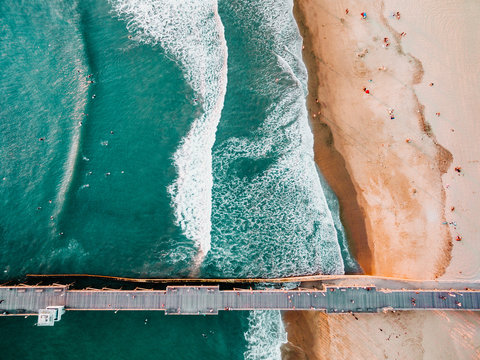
x=157, y=138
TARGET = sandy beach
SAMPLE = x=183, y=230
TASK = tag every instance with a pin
x=392, y=102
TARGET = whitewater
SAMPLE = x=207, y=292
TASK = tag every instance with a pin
x=193, y=34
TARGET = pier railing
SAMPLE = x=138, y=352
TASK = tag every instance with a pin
x=331, y=294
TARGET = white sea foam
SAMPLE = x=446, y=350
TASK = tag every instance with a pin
x=275, y=220
x=265, y=335
x=190, y=32
x=280, y=214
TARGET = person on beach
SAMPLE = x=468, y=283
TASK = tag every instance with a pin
x=397, y=15
x=364, y=15
x=346, y=11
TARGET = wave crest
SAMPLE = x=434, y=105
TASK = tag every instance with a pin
x=265, y=335
x=192, y=33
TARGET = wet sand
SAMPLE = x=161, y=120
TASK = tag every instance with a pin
x=394, y=171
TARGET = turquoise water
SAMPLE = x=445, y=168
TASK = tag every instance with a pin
x=158, y=138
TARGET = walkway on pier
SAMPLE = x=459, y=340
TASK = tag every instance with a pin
x=210, y=299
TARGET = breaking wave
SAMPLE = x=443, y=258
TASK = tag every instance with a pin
x=265, y=335
x=270, y=214
x=192, y=33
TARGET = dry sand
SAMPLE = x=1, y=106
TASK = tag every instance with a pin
x=404, y=191
x=401, y=335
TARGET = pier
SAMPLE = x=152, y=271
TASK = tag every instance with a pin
x=334, y=294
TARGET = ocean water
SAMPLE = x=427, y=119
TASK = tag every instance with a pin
x=159, y=138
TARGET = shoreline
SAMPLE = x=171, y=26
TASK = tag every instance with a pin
x=363, y=162
x=384, y=153
x=330, y=162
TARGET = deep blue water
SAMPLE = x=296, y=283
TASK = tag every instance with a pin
x=157, y=138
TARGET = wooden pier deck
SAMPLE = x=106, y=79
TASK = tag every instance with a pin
x=206, y=300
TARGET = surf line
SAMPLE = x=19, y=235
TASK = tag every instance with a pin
x=193, y=36
x=191, y=192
